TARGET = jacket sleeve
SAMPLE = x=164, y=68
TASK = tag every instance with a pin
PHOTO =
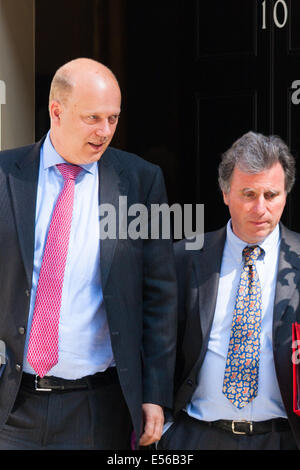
x=159, y=306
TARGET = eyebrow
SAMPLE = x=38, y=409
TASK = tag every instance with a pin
x=98, y=113
x=273, y=191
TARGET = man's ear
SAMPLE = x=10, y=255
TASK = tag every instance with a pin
x=55, y=110
x=225, y=198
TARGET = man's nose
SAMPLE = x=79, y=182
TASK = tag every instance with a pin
x=260, y=205
x=103, y=128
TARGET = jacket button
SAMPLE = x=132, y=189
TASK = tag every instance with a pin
x=18, y=367
x=190, y=382
x=27, y=292
x=21, y=330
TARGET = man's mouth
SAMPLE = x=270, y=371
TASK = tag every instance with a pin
x=259, y=223
x=96, y=146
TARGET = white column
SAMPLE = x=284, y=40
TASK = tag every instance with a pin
x=2, y=101
x=17, y=72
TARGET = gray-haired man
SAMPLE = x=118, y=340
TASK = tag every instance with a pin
x=238, y=298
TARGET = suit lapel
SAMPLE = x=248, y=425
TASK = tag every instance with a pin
x=22, y=181
x=207, y=265
x=113, y=183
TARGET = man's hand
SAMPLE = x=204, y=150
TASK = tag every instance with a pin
x=153, y=423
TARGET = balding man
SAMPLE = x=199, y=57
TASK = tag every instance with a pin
x=87, y=322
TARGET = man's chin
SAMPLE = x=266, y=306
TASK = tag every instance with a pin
x=254, y=235
x=95, y=153
x=259, y=235
x=91, y=157
x=95, y=157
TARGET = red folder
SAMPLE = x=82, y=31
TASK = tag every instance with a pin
x=296, y=367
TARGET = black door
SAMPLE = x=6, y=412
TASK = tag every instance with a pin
x=195, y=76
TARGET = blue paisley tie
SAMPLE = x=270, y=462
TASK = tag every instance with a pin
x=241, y=371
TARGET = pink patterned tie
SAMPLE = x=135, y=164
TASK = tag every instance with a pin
x=43, y=343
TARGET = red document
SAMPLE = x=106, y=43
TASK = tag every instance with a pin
x=296, y=367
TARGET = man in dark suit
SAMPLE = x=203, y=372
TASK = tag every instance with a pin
x=238, y=298
x=88, y=320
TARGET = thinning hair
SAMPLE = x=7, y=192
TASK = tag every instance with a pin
x=64, y=78
x=61, y=85
x=254, y=153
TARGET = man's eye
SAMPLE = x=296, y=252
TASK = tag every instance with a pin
x=270, y=195
x=113, y=119
x=91, y=119
x=248, y=195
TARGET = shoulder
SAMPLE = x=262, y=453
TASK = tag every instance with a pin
x=19, y=155
x=146, y=179
x=289, y=236
x=290, y=246
x=212, y=241
x=14, y=154
x=130, y=160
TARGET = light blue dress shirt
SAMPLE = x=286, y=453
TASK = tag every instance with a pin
x=208, y=402
x=84, y=341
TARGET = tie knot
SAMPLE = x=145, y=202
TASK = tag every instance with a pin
x=251, y=253
x=68, y=171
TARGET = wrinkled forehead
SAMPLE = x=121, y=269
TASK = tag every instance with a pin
x=270, y=178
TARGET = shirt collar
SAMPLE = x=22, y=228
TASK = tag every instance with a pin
x=52, y=158
x=236, y=245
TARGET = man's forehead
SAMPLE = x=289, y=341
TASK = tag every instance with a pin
x=90, y=105
x=273, y=175
x=92, y=100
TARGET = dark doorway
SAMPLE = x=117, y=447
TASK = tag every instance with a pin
x=195, y=75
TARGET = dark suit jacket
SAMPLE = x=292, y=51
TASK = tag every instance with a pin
x=138, y=278
x=198, y=278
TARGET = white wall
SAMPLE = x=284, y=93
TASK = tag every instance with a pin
x=17, y=71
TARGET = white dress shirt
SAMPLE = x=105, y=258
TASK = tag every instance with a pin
x=84, y=341
x=208, y=402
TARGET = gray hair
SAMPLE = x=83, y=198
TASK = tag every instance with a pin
x=253, y=153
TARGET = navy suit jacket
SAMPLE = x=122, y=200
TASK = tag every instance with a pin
x=138, y=278
x=198, y=279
